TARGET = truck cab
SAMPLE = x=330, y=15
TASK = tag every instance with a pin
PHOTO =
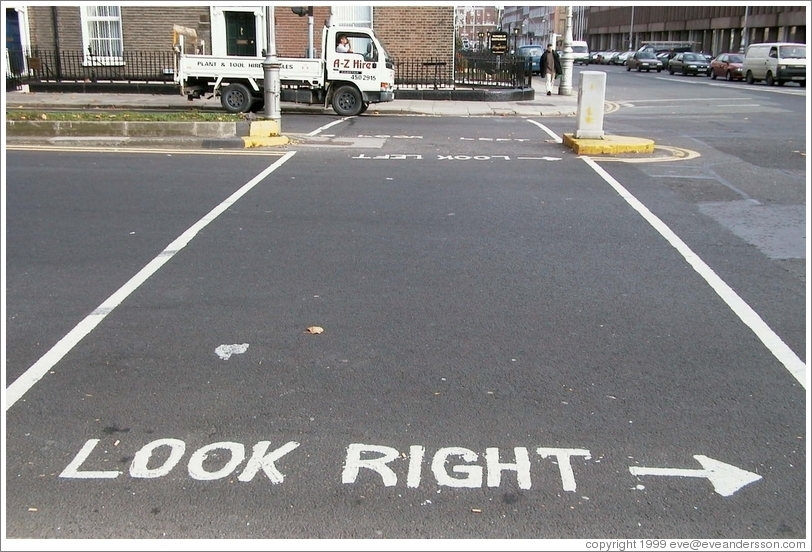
x=365, y=74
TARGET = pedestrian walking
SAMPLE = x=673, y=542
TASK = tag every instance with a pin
x=550, y=67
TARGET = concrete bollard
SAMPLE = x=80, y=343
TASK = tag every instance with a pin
x=589, y=114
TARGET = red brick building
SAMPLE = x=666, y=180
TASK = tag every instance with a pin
x=227, y=29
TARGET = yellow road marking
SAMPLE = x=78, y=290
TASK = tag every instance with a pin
x=677, y=154
x=173, y=151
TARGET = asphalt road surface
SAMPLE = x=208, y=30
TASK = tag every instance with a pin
x=408, y=327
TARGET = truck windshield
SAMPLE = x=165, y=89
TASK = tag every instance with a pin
x=792, y=52
x=387, y=57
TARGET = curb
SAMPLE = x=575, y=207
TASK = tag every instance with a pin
x=608, y=145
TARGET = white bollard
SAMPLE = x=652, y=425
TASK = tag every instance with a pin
x=589, y=115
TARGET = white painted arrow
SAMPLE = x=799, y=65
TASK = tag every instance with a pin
x=726, y=479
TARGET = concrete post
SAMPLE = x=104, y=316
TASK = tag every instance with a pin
x=565, y=88
x=589, y=114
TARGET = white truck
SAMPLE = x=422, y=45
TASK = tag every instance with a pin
x=348, y=82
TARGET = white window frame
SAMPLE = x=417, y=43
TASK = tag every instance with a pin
x=349, y=15
x=88, y=35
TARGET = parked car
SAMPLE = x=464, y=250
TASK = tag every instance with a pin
x=621, y=58
x=664, y=58
x=532, y=51
x=688, y=63
x=644, y=61
x=727, y=65
x=606, y=57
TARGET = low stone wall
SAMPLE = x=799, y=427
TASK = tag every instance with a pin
x=157, y=129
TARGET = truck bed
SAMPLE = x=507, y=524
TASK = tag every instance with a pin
x=291, y=70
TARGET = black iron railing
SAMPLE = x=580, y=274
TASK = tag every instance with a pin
x=464, y=69
x=469, y=71
x=38, y=65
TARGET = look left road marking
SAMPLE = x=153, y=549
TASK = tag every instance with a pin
x=31, y=376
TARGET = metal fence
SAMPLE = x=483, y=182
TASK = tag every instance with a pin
x=465, y=69
x=468, y=71
x=71, y=66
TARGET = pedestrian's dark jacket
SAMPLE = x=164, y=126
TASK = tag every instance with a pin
x=556, y=62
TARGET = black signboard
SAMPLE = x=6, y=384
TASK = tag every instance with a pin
x=499, y=40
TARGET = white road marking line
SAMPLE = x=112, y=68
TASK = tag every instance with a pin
x=676, y=100
x=745, y=313
x=328, y=125
x=36, y=372
x=547, y=130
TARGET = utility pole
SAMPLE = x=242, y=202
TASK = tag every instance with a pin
x=270, y=68
x=631, y=29
x=743, y=47
x=565, y=88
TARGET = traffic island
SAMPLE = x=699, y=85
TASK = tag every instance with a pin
x=608, y=145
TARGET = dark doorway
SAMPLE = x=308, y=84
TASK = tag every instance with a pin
x=241, y=34
x=14, y=49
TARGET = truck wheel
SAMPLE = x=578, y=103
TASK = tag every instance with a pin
x=769, y=80
x=749, y=78
x=347, y=101
x=236, y=98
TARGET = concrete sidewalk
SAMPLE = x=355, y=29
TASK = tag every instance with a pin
x=542, y=106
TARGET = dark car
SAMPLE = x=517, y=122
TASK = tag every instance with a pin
x=643, y=61
x=533, y=52
x=728, y=66
x=688, y=63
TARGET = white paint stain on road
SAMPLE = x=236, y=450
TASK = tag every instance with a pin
x=225, y=351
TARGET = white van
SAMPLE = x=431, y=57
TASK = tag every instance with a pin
x=580, y=52
x=775, y=63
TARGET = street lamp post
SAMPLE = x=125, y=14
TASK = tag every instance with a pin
x=515, y=38
x=565, y=88
x=270, y=68
x=631, y=29
x=743, y=47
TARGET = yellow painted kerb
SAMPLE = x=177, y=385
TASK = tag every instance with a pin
x=262, y=141
x=264, y=128
x=608, y=145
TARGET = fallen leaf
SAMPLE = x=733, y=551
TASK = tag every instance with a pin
x=315, y=329
x=43, y=116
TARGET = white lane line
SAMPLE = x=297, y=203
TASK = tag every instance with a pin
x=745, y=313
x=36, y=372
x=328, y=125
x=547, y=130
x=675, y=100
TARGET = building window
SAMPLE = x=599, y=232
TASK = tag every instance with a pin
x=352, y=16
x=101, y=35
